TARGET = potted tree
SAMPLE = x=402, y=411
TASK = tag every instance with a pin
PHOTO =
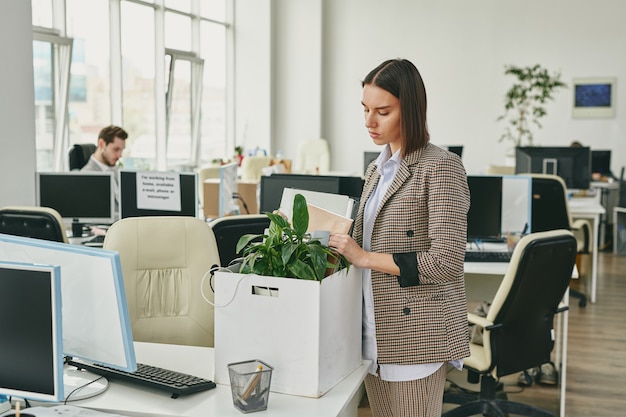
x=288, y=250
x=525, y=100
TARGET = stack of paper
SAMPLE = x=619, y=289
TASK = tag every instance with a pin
x=332, y=212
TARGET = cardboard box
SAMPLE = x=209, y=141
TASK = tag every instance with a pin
x=247, y=191
x=310, y=332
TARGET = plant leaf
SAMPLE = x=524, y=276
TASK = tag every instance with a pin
x=301, y=270
x=300, y=216
x=244, y=240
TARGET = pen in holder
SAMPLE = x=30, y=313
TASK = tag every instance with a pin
x=250, y=385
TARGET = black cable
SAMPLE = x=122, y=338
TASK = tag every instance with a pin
x=236, y=196
x=67, y=397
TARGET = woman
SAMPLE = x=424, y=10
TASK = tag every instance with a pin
x=409, y=237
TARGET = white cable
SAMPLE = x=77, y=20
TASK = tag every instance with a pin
x=219, y=268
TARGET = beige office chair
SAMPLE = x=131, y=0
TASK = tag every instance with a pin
x=519, y=327
x=252, y=167
x=313, y=157
x=33, y=221
x=164, y=261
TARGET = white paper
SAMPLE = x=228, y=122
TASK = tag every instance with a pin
x=158, y=190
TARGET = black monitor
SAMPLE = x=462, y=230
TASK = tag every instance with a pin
x=158, y=193
x=601, y=162
x=368, y=158
x=572, y=164
x=484, y=219
x=457, y=149
x=272, y=187
x=79, y=197
x=31, y=354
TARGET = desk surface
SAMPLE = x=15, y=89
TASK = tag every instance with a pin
x=133, y=400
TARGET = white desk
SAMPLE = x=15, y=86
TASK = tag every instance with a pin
x=133, y=400
x=482, y=279
x=589, y=208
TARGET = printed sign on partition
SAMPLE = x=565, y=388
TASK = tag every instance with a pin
x=158, y=191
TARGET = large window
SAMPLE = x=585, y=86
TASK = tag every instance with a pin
x=156, y=67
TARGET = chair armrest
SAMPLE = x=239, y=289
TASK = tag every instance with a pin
x=475, y=319
x=581, y=229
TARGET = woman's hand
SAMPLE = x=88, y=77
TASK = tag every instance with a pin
x=347, y=246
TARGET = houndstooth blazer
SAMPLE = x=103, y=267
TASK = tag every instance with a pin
x=423, y=215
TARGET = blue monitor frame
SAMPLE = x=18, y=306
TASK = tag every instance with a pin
x=31, y=350
x=96, y=325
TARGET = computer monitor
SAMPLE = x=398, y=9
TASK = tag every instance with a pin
x=228, y=190
x=601, y=162
x=516, y=204
x=96, y=325
x=158, y=193
x=368, y=158
x=457, y=149
x=31, y=355
x=484, y=219
x=272, y=187
x=573, y=164
x=79, y=197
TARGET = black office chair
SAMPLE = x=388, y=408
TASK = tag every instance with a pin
x=550, y=211
x=36, y=222
x=229, y=229
x=519, y=327
x=79, y=154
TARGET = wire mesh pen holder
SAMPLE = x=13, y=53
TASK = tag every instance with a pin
x=250, y=384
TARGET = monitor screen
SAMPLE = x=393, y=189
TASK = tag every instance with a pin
x=516, y=204
x=96, y=326
x=572, y=164
x=157, y=193
x=484, y=219
x=83, y=197
x=272, y=187
x=31, y=356
x=601, y=162
x=457, y=149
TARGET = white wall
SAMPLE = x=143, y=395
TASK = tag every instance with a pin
x=461, y=49
x=17, y=108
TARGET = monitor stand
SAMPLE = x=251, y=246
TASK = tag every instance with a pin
x=77, y=229
x=81, y=384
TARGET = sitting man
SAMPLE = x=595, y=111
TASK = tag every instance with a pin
x=111, y=144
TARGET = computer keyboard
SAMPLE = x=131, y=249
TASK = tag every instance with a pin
x=487, y=256
x=176, y=383
x=96, y=240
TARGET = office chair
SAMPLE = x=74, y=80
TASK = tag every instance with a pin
x=518, y=329
x=229, y=229
x=79, y=155
x=313, y=157
x=550, y=211
x=252, y=167
x=36, y=222
x=165, y=264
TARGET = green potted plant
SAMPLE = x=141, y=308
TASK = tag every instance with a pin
x=288, y=250
x=525, y=102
